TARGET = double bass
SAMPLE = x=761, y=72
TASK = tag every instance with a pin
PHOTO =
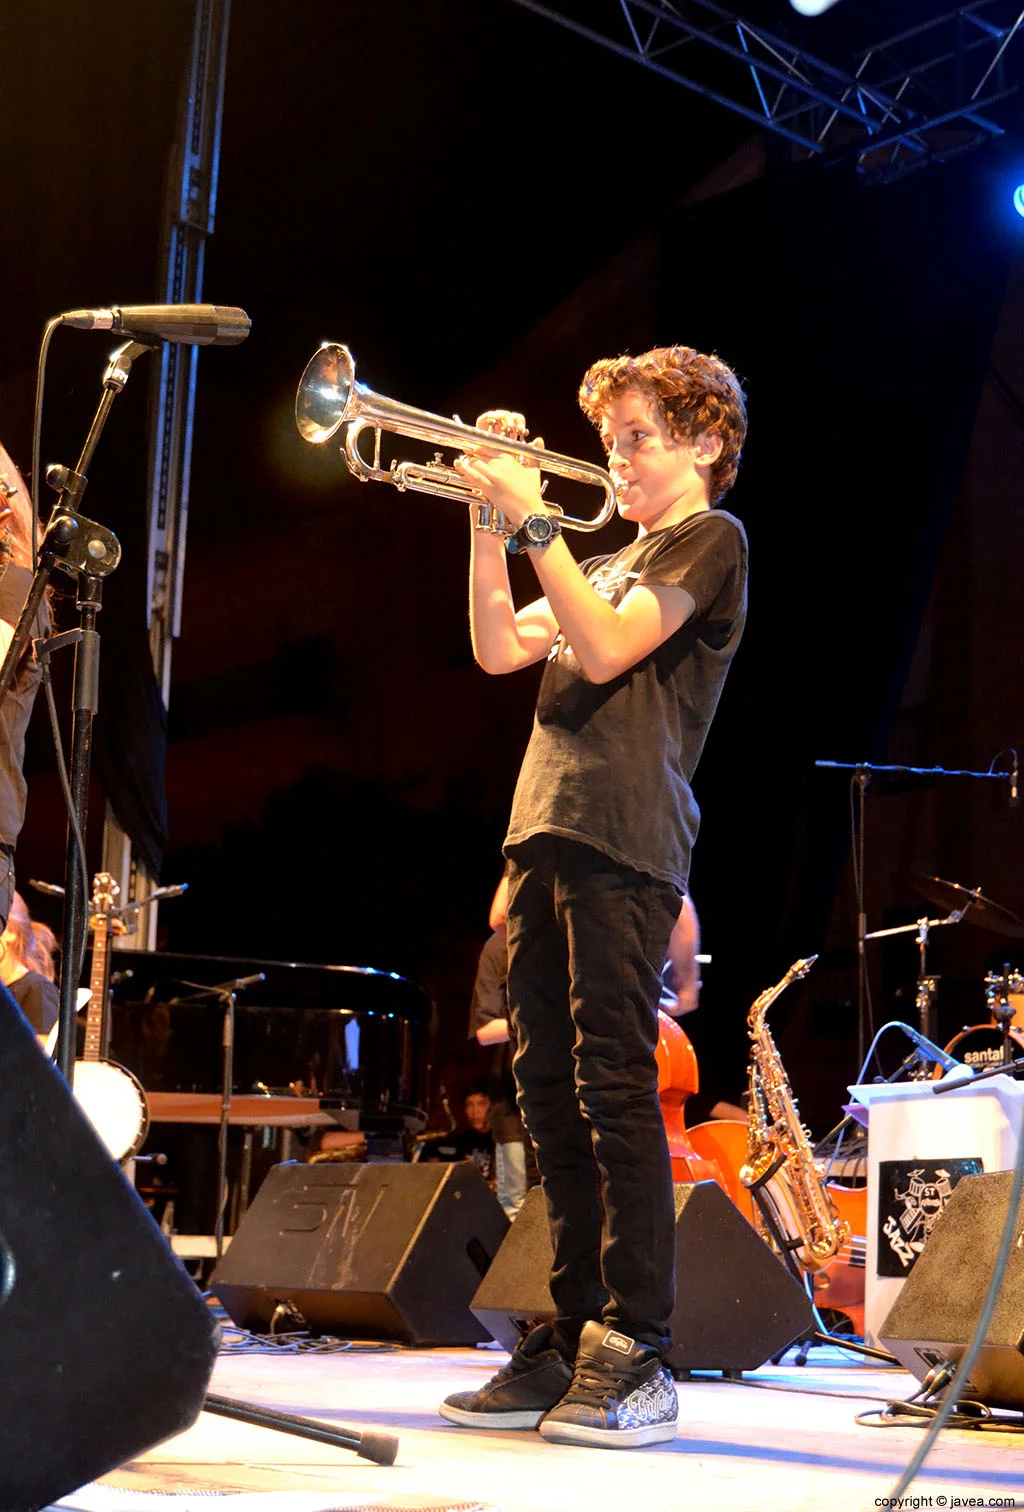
x=712, y=1151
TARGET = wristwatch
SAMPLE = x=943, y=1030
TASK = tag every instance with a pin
x=536, y=530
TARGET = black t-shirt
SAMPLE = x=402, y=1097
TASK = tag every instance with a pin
x=38, y=1000
x=16, y=707
x=462, y=1144
x=610, y=763
x=490, y=1002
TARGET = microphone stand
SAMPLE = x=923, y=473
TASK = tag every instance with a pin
x=1013, y=1068
x=381, y=1448
x=90, y=552
x=226, y=993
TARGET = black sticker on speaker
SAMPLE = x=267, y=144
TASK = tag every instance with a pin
x=912, y=1197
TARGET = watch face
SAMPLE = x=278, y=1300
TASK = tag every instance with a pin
x=539, y=529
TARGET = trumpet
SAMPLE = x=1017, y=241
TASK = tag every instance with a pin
x=329, y=397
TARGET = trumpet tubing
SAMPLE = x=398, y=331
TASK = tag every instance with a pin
x=329, y=397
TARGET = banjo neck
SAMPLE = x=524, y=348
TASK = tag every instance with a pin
x=110, y=1097
x=101, y=923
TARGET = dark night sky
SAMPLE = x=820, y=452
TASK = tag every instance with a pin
x=431, y=183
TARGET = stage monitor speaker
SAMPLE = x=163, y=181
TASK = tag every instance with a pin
x=736, y=1304
x=365, y=1251
x=106, y=1346
x=934, y=1317
x=515, y=1289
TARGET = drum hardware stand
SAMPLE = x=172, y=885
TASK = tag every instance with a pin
x=997, y=992
x=226, y=993
x=926, y=985
x=862, y=771
x=89, y=552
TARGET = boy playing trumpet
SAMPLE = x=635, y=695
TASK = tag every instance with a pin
x=637, y=646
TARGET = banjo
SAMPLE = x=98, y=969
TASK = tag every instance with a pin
x=110, y=1097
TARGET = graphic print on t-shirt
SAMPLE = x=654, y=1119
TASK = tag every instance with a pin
x=611, y=581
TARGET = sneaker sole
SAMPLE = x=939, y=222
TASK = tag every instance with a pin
x=463, y=1419
x=607, y=1438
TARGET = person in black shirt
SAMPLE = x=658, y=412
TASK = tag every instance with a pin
x=637, y=646
x=515, y=1168
x=475, y=1143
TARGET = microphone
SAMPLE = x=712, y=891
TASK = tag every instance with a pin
x=240, y=983
x=942, y=1057
x=193, y=325
x=1014, y=800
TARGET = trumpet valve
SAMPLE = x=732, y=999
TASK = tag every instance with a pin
x=490, y=519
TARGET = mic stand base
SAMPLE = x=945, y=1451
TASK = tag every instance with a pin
x=882, y=1356
x=379, y=1447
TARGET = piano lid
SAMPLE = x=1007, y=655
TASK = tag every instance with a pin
x=364, y=990
x=348, y=1032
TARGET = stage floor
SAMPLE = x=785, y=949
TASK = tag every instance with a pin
x=785, y=1438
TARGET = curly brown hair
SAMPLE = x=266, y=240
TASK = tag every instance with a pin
x=693, y=392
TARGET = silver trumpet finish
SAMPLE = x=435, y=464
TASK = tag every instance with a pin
x=329, y=397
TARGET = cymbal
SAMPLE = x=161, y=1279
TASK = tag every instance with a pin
x=982, y=910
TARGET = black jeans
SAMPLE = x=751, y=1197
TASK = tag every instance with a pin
x=587, y=939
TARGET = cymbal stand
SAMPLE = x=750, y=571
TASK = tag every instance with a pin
x=862, y=772
x=89, y=552
x=926, y=984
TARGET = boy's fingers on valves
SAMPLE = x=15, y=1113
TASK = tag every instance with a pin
x=508, y=423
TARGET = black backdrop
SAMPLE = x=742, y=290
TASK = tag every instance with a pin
x=338, y=771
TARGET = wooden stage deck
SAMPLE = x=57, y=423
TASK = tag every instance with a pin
x=783, y=1440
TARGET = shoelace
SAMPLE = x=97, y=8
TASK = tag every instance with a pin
x=518, y=1363
x=595, y=1382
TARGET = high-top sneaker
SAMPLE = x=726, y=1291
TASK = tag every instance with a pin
x=621, y=1395
x=535, y=1379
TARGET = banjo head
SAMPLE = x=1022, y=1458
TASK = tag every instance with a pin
x=114, y=1103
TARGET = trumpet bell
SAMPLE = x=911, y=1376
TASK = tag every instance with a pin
x=325, y=392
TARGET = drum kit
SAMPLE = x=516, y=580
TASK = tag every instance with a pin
x=980, y=1046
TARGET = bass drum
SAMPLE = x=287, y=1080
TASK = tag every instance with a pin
x=980, y=1046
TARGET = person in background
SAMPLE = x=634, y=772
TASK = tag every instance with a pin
x=26, y=966
x=16, y=705
x=474, y=1143
x=515, y=1166
x=680, y=995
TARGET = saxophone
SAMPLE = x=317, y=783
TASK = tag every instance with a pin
x=793, y=1210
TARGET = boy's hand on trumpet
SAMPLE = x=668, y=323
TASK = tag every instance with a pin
x=512, y=484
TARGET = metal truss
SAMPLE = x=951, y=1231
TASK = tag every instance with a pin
x=187, y=226
x=912, y=99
